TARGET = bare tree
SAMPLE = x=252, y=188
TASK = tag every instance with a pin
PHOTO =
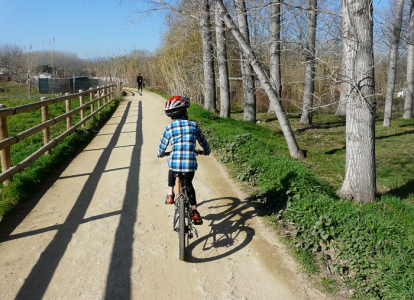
x=310, y=64
x=345, y=80
x=62, y=64
x=395, y=41
x=208, y=58
x=275, y=53
x=247, y=72
x=264, y=80
x=360, y=176
x=222, y=66
x=11, y=59
x=408, y=102
x=189, y=11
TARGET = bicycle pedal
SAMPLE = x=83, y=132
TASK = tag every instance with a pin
x=198, y=222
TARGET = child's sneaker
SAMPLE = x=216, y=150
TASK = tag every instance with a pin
x=169, y=199
x=195, y=216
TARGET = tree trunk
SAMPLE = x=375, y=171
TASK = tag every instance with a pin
x=222, y=67
x=310, y=64
x=343, y=95
x=247, y=72
x=408, y=103
x=360, y=176
x=275, y=71
x=345, y=83
x=208, y=59
x=294, y=150
x=395, y=41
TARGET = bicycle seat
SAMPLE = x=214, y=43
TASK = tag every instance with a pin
x=180, y=174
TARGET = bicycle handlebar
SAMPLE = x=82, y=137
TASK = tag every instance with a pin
x=197, y=152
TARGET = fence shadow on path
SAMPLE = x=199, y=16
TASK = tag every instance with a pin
x=119, y=275
x=228, y=234
x=42, y=272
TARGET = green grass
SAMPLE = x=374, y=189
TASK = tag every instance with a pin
x=28, y=181
x=370, y=248
x=326, y=157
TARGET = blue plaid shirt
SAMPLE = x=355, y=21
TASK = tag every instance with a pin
x=182, y=134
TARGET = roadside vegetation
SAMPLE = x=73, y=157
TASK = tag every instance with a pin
x=30, y=180
x=364, y=250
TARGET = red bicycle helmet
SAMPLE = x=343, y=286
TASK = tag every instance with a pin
x=176, y=106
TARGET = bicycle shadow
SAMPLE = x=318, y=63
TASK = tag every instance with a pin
x=228, y=234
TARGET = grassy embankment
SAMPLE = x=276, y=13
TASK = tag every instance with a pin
x=28, y=181
x=367, y=249
x=370, y=248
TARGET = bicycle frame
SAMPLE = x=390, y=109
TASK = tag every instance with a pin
x=182, y=222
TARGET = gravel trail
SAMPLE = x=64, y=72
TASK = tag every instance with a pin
x=102, y=231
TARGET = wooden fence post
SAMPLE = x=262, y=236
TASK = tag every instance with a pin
x=45, y=118
x=117, y=89
x=68, y=109
x=82, y=112
x=4, y=153
x=98, y=93
x=29, y=87
x=90, y=100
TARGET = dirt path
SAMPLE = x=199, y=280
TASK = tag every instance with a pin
x=101, y=231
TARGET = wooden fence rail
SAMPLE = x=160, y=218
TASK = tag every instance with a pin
x=103, y=96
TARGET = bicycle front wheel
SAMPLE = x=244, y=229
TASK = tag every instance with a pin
x=181, y=229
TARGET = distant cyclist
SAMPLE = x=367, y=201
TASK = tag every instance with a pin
x=182, y=135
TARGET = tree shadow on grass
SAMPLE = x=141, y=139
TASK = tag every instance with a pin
x=393, y=135
x=328, y=125
x=334, y=151
x=409, y=123
x=270, y=202
x=274, y=200
x=404, y=191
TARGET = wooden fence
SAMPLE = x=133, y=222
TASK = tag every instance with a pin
x=102, y=96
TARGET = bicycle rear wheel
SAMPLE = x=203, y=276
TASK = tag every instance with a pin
x=181, y=229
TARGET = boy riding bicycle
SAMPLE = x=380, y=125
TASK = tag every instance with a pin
x=182, y=135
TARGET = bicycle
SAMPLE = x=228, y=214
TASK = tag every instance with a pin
x=182, y=222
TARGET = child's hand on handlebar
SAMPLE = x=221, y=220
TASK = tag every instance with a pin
x=197, y=152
